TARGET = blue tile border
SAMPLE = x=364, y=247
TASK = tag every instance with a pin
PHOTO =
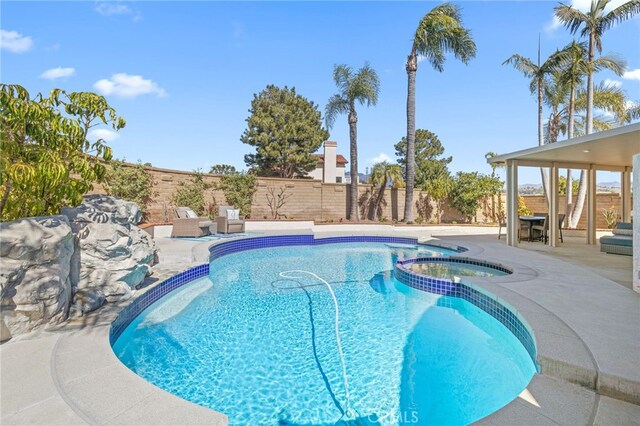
x=455, y=288
x=141, y=303
x=463, y=260
x=227, y=247
x=485, y=302
x=224, y=248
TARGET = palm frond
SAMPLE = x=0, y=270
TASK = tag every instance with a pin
x=632, y=112
x=612, y=62
x=365, y=86
x=570, y=17
x=342, y=75
x=522, y=64
x=335, y=106
x=606, y=98
x=441, y=31
x=621, y=13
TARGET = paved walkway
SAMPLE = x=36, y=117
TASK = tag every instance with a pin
x=587, y=329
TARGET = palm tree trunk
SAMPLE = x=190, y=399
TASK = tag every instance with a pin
x=582, y=196
x=412, y=68
x=582, y=187
x=589, y=127
x=569, y=184
x=353, y=139
x=376, y=216
x=543, y=173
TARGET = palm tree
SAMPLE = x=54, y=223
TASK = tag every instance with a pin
x=538, y=74
x=362, y=87
x=632, y=112
x=574, y=66
x=494, y=167
x=594, y=23
x=382, y=174
x=440, y=31
x=607, y=98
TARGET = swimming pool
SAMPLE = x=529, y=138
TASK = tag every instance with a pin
x=263, y=349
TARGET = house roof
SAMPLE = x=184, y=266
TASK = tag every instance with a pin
x=339, y=158
x=608, y=150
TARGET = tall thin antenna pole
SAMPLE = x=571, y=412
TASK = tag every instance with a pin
x=538, y=50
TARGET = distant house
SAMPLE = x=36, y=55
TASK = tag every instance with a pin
x=330, y=167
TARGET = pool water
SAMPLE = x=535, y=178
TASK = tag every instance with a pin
x=450, y=270
x=263, y=350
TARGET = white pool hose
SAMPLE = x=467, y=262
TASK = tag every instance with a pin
x=283, y=274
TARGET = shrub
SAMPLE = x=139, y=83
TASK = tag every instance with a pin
x=191, y=193
x=469, y=189
x=46, y=161
x=131, y=183
x=610, y=216
x=523, y=210
x=239, y=190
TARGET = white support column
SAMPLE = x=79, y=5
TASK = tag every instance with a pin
x=636, y=223
x=625, y=193
x=512, y=203
x=591, y=205
x=553, y=205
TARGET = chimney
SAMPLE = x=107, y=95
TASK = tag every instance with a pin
x=330, y=168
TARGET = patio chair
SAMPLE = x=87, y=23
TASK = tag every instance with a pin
x=188, y=225
x=502, y=223
x=226, y=225
x=523, y=228
x=542, y=229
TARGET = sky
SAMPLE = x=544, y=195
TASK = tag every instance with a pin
x=183, y=74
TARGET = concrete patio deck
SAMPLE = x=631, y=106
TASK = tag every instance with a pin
x=586, y=324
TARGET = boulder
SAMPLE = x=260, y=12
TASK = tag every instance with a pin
x=35, y=259
x=88, y=300
x=112, y=254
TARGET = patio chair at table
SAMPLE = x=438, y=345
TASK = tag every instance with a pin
x=542, y=229
x=523, y=228
x=188, y=225
x=560, y=224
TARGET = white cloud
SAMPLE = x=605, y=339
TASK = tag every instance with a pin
x=583, y=6
x=112, y=8
x=628, y=104
x=380, y=158
x=15, y=42
x=632, y=75
x=552, y=25
x=59, y=72
x=104, y=134
x=128, y=86
x=117, y=8
x=613, y=83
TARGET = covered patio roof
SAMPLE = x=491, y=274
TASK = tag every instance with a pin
x=611, y=150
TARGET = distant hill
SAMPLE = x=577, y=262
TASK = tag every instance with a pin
x=612, y=185
x=530, y=188
x=536, y=188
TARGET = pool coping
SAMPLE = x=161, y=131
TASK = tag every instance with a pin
x=82, y=358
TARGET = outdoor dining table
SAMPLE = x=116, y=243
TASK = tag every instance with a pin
x=532, y=221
